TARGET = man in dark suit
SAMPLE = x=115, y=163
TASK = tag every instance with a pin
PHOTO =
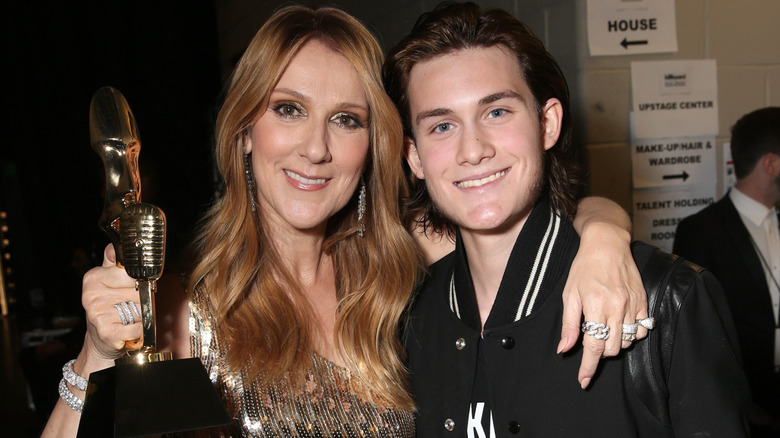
x=737, y=239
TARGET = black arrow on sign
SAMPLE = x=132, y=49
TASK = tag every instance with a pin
x=682, y=176
x=625, y=43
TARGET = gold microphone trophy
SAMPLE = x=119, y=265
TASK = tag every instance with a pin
x=146, y=392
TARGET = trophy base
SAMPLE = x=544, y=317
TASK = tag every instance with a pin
x=144, y=356
x=131, y=400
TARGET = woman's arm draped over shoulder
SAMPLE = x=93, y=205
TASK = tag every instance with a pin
x=604, y=284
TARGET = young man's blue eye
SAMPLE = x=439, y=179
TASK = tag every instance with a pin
x=442, y=127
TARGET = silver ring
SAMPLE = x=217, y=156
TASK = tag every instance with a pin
x=121, y=312
x=598, y=330
x=648, y=323
x=630, y=337
x=128, y=313
x=135, y=308
x=630, y=328
x=126, y=309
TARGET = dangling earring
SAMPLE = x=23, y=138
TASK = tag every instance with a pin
x=250, y=184
x=362, y=208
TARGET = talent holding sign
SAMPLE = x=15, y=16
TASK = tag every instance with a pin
x=657, y=212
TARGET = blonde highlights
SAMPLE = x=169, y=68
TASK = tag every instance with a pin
x=261, y=312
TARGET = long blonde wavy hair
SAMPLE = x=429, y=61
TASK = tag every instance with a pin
x=261, y=312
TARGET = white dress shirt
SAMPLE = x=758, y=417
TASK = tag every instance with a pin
x=762, y=224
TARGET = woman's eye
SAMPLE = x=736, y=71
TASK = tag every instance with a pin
x=498, y=112
x=343, y=120
x=442, y=127
x=288, y=110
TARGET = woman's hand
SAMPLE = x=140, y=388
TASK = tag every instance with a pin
x=604, y=284
x=106, y=337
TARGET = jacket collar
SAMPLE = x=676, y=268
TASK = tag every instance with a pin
x=542, y=253
x=748, y=207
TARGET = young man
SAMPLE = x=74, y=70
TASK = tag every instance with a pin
x=737, y=240
x=486, y=114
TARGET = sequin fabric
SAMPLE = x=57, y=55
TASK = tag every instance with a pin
x=333, y=402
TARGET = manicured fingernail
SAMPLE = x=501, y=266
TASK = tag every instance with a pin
x=561, y=344
x=585, y=382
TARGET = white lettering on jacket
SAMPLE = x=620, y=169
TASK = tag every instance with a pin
x=474, y=427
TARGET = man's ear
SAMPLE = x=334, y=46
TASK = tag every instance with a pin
x=771, y=164
x=552, y=119
x=413, y=158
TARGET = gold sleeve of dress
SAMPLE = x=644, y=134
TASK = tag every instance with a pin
x=332, y=402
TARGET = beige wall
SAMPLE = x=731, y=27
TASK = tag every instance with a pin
x=553, y=21
x=742, y=35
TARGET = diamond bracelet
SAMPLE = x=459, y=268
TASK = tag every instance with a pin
x=70, y=398
x=71, y=377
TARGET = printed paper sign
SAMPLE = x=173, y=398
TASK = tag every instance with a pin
x=631, y=27
x=658, y=211
x=673, y=162
x=675, y=98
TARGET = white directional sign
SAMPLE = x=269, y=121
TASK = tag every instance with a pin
x=658, y=211
x=631, y=27
x=675, y=98
x=672, y=162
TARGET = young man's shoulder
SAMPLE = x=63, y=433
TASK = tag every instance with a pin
x=441, y=267
x=647, y=257
x=669, y=276
x=437, y=276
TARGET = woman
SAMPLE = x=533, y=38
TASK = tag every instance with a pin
x=305, y=269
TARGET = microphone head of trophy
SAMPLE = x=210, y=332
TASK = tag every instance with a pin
x=146, y=393
x=142, y=237
x=114, y=136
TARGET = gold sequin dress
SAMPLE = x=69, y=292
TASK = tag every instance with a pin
x=334, y=402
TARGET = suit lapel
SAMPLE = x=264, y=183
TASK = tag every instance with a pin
x=741, y=239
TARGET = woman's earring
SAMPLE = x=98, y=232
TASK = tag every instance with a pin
x=250, y=183
x=362, y=208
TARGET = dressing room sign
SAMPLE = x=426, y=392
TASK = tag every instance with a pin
x=675, y=98
x=631, y=27
x=673, y=162
x=658, y=211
